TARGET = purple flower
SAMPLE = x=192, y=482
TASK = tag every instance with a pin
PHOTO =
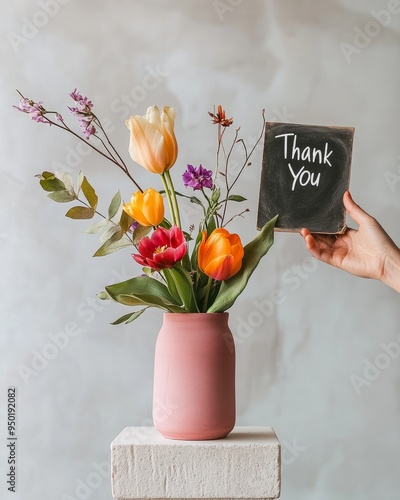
x=82, y=101
x=83, y=111
x=197, y=178
x=34, y=109
x=87, y=129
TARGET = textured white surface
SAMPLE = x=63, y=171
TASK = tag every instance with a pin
x=245, y=465
x=303, y=331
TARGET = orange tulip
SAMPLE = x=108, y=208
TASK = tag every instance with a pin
x=220, y=255
x=152, y=142
x=147, y=208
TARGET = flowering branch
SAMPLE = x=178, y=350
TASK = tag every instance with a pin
x=228, y=188
x=248, y=155
x=220, y=119
x=86, y=118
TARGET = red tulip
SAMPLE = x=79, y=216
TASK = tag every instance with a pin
x=163, y=249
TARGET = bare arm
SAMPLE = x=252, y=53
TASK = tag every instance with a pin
x=367, y=252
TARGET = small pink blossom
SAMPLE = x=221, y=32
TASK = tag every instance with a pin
x=34, y=109
x=83, y=111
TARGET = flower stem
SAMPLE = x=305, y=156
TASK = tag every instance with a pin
x=174, y=201
x=208, y=288
x=168, y=195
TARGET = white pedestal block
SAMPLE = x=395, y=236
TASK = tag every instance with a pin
x=244, y=465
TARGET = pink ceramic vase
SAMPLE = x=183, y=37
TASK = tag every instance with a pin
x=194, y=377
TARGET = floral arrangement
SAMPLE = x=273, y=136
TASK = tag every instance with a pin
x=201, y=270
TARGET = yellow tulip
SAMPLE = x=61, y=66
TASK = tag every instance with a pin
x=152, y=141
x=220, y=255
x=147, y=208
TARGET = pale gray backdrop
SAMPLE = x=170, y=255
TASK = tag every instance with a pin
x=322, y=365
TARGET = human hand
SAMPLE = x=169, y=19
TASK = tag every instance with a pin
x=367, y=252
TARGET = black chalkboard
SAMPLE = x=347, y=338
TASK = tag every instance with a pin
x=305, y=172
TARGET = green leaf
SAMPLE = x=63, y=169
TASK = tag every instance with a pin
x=114, y=205
x=61, y=196
x=45, y=175
x=112, y=247
x=196, y=201
x=139, y=233
x=129, y=300
x=66, y=179
x=79, y=182
x=211, y=226
x=90, y=193
x=96, y=227
x=171, y=285
x=103, y=295
x=143, y=290
x=148, y=271
x=114, y=243
x=183, y=287
x=165, y=223
x=253, y=252
x=128, y=318
x=193, y=260
x=51, y=183
x=215, y=196
x=236, y=197
x=80, y=213
x=125, y=221
x=110, y=231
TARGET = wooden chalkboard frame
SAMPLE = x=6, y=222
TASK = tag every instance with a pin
x=305, y=172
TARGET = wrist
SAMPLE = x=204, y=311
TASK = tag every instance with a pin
x=391, y=269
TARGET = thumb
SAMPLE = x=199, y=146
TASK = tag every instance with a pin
x=354, y=210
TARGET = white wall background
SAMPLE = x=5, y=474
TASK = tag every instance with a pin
x=296, y=366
